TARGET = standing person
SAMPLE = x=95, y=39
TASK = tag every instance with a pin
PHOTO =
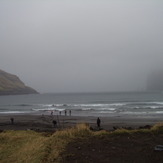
x=98, y=122
x=54, y=123
x=70, y=112
x=12, y=120
x=51, y=113
x=65, y=112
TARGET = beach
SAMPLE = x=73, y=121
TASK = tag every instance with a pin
x=35, y=137
x=45, y=122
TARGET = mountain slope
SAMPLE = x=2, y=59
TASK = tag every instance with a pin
x=11, y=85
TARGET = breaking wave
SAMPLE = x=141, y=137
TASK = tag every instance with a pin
x=87, y=108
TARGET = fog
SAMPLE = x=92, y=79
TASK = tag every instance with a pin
x=82, y=45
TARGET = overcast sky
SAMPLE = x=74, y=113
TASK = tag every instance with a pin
x=81, y=45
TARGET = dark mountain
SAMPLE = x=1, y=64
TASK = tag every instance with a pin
x=11, y=85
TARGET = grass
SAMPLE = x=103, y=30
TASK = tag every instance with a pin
x=22, y=146
x=61, y=139
x=33, y=147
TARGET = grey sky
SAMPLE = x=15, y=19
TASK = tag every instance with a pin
x=81, y=45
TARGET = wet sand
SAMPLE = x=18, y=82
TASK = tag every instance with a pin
x=44, y=122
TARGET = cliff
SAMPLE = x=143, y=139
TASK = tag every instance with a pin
x=11, y=85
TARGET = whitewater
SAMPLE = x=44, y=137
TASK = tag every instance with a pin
x=86, y=104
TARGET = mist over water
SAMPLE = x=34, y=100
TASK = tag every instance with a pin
x=82, y=46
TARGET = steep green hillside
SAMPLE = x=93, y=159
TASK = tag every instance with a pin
x=12, y=85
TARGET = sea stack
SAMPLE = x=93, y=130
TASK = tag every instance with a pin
x=155, y=81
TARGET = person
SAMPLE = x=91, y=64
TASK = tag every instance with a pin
x=70, y=112
x=51, y=113
x=12, y=120
x=60, y=113
x=98, y=122
x=65, y=112
x=54, y=123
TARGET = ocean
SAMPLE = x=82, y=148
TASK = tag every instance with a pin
x=146, y=104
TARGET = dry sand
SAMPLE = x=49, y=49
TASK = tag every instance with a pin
x=44, y=122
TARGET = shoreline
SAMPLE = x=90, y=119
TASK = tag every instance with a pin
x=44, y=122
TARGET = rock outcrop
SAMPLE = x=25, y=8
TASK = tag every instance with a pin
x=11, y=85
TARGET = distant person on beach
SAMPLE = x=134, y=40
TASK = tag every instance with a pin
x=98, y=122
x=59, y=112
x=65, y=112
x=12, y=120
x=51, y=113
x=54, y=123
x=70, y=112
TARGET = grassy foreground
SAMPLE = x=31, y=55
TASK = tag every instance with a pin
x=79, y=144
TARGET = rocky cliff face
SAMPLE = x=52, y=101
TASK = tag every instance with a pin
x=12, y=85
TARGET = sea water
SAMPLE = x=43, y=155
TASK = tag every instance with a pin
x=85, y=104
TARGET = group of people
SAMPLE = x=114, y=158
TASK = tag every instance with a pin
x=66, y=112
x=55, y=122
x=60, y=113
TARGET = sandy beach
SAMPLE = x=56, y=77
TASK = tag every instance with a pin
x=44, y=122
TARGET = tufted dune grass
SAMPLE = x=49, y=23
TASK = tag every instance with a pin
x=34, y=147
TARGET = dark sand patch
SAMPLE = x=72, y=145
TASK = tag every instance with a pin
x=135, y=148
x=44, y=122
